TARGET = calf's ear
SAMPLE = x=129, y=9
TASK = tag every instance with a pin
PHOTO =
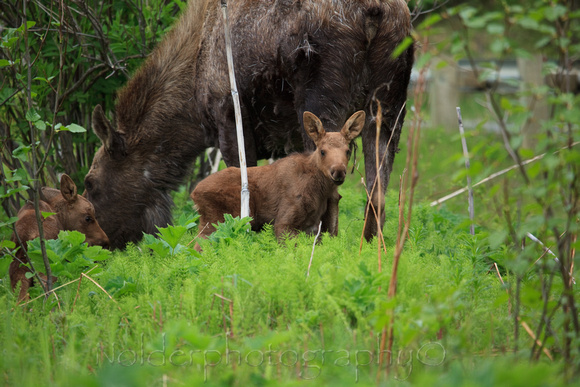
x=112, y=140
x=313, y=126
x=353, y=125
x=68, y=188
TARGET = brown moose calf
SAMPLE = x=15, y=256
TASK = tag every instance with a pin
x=295, y=193
x=72, y=212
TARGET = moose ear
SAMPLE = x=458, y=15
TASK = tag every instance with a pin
x=113, y=141
x=313, y=126
x=68, y=188
x=353, y=125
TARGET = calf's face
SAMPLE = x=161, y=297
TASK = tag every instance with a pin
x=333, y=149
x=79, y=214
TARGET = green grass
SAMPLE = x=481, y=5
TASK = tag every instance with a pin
x=244, y=313
x=177, y=307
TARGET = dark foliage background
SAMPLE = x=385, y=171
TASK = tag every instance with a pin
x=68, y=56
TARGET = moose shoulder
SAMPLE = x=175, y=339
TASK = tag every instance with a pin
x=329, y=57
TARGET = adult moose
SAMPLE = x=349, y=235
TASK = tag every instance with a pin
x=328, y=57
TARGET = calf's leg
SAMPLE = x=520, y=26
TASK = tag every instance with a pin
x=330, y=217
x=18, y=274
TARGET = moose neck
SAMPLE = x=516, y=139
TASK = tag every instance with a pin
x=319, y=179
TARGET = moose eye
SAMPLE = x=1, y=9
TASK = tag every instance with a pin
x=88, y=219
x=322, y=153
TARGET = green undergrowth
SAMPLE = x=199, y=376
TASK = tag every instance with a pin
x=250, y=311
x=244, y=312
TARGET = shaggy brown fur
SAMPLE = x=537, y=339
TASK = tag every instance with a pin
x=325, y=56
x=72, y=212
x=295, y=193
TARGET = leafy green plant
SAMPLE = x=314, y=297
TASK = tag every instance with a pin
x=69, y=256
x=7, y=247
x=120, y=286
x=166, y=242
x=230, y=229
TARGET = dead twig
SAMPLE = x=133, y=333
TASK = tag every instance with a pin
x=497, y=174
x=466, y=156
x=313, y=245
x=536, y=340
x=57, y=288
x=506, y=290
x=548, y=251
x=245, y=193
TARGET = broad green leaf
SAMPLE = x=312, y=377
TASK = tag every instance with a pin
x=187, y=221
x=19, y=174
x=4, y=265
x=7, y=243
x=96, y=253
x=46, y=80
x=495, y=29
x=528, y=23
x=14, y=191
x=8, y=43
x=120, y=285
x=41, y=125
x=172, y=234
x=499, y=45
x=7, y=223
x=47, y=214
x=28, y=26
x=160, y=247
x=505, y=103
x=74, y=128
x=32, y=115
x=74, y=238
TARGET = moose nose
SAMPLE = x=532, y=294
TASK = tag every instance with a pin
x=103, y=242
x=338, y=175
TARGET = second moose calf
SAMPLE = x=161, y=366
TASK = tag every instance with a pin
x=295, y=193
x=72, y=212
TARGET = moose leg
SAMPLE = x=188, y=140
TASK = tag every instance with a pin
x=283, y=228
x=206, y=228
x=18, y=274
x=330, y=217
x=377, y=181
x=228, y=142
x=391, y=92
x=286, y=220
